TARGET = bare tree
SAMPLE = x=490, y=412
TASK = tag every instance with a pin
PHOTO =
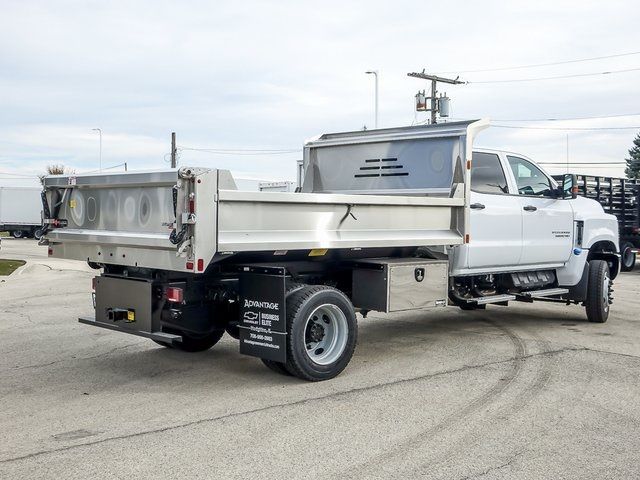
x=56, y=169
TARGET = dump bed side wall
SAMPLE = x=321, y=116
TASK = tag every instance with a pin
x=296, y=221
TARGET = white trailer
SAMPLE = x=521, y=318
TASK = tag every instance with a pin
x=388, y=220
x=281, y=186
x=20, y=211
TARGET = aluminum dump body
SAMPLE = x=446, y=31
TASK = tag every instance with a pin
x=182, y=220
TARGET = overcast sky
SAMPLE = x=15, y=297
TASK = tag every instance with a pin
x=267, y=75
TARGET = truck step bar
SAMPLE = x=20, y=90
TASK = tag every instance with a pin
x=158, y=336
x=549, y=292
x=492, y=299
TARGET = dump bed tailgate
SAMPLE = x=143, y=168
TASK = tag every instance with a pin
x=143, y=219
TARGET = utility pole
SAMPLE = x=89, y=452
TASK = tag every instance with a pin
x=100, y=157
x=434, y=89
x=567, y=153
x=173, y=150
x=375, y=72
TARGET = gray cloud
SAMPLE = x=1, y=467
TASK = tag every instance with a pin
x=270, y=74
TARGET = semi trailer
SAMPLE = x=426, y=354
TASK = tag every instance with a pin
x=20, y=211
x=389, y=220
x=621, y=198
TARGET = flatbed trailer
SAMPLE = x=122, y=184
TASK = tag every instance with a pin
x=619, y=197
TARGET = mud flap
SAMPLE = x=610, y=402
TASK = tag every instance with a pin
x=263, y=324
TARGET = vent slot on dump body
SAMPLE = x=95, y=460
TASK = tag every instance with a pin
x=381, y=167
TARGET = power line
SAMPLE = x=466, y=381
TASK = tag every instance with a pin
x=537, y=79
x=567, y=128
x=566, y=119
x=19, y=175
x=536, y=65
x=239, y=151
x=105, y=168
x=595, y=164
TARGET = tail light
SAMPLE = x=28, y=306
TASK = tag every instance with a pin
x=174, y=294
x=94, y=281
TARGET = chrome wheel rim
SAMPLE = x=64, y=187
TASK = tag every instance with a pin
x=627, y=257
x=606, y=287
x=325, y=334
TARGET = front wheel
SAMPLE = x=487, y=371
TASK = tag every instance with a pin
x=628, y=257
x=598, y=292
x=321, y=333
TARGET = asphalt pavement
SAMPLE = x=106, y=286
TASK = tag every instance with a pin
x=529, y=391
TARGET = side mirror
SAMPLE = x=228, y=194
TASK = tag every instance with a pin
x=569, y=185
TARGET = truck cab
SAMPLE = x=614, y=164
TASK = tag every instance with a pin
x=526, y=227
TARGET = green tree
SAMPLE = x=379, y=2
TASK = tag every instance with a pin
x=633, y=162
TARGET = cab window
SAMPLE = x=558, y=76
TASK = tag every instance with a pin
x=487, y=175
x=529, y=178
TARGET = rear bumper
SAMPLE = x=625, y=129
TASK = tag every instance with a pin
x=158, y=336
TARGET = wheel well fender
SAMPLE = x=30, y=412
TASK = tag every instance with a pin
x=606, y=250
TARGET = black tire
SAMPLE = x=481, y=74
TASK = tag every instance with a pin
x=304, y=307
x=37, y=233
x=192, y=343
x=17, y=233
x=233, y=330
x=277, y=367
x=628, y=258
x=598, y=291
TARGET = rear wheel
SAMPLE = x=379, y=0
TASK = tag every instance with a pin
x=233, y=330
x=277, y=367
x=37, y=233
x=17, y=234
x=321, y=332
x=194, y=343
x=598, y=292
x=628, y=257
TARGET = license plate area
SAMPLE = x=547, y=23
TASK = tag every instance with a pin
x=125, y=303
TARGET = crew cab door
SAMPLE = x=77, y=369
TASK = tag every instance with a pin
x=547, y=222
x=495, y=216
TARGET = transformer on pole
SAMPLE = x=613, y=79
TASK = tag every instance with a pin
x=440, y=104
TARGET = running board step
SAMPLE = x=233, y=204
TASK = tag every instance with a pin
x=159, y=336
x=492, y=299
x=549, y=292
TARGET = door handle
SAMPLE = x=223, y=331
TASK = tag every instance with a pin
x=477, y=206
x=530, y=208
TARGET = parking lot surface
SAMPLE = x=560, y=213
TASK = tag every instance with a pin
x=528, y=391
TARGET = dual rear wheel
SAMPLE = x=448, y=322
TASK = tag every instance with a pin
x=321, y=334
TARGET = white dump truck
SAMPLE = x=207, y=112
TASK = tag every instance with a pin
x=20, y=211
x=389, y=220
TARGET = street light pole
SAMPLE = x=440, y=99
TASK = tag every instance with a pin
x=375, y=72
x=100, y=158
